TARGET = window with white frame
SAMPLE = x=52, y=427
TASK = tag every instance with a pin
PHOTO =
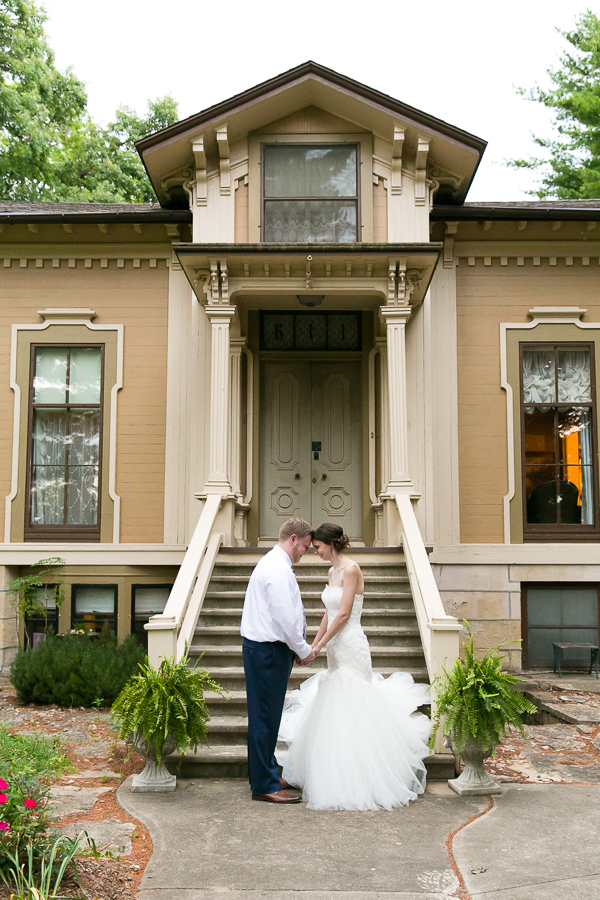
x=559, y=442
x=64, y=445
x=310, y=193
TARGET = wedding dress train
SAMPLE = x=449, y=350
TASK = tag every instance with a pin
x=350, y=738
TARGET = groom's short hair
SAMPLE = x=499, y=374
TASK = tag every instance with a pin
x=299, y=527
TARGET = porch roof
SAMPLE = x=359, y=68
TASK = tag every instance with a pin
x=398, y=273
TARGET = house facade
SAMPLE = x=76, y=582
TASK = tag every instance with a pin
x=311, y=321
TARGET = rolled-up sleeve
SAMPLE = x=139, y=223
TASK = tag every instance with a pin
x=283, y=605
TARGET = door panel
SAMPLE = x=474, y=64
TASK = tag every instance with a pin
x=336, y=424
x=310, y=459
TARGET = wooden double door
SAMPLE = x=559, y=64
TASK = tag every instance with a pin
x=310, y=444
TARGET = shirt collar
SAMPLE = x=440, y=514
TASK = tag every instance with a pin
x=284, y=554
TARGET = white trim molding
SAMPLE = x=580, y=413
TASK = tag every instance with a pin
x=63, y=316
x=547, y=315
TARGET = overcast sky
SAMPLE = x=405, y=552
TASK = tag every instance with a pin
x=459, y=60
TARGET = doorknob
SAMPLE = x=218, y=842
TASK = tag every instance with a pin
x=323, y=476
x=297, y=475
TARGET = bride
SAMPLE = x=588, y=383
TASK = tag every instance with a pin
x=348, y=737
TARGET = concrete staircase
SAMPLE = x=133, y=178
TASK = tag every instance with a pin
x=388, y=618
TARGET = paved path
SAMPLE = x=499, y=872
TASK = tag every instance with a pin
x=210, y=839
x=210, y=842
x=539, y=842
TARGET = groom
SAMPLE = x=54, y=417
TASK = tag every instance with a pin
x=274, y=632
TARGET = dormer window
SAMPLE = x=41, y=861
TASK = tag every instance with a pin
x=310, y=193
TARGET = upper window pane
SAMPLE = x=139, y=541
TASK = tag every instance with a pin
x=84, y=375
x=327, y=171
x=50, y=376
x=539, y=376
x=574, y=384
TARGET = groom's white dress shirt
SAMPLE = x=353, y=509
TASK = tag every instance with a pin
x=273, y=608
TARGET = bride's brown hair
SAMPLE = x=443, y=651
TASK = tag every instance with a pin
x=328, y=533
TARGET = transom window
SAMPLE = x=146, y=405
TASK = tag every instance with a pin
x=65, y=428
x=559, y=442
x=310, y=193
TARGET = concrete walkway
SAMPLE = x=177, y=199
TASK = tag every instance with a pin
x=210, y=840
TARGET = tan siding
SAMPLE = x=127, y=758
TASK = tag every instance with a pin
x=487, y=296
x=380, y=213
x=241, y=213
x=136, y=298
x=311, y=120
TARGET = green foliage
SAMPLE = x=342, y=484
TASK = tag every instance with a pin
x=24, y=816
x=40, y=876
x=101, y=164
x=478, y=699
x=38, y=104
x=572, y=167
x=168, y=701
x=31, y=756
x=50, y=149
x=75, y=670
x=31, y=593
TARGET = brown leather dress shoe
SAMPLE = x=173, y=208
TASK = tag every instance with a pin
x=278, y=797
x=286, y=786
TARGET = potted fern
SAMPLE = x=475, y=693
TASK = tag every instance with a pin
x=477, y=702
x=162, y=710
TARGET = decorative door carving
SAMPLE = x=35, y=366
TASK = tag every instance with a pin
x=310, y=459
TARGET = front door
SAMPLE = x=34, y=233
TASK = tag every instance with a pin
x=310, y=454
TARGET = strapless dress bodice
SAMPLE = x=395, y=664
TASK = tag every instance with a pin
x=332, y=598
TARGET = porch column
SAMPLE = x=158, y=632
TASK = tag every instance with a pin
x=398, y=474
x=218, y=477
x=236, y=439
x=395, y=318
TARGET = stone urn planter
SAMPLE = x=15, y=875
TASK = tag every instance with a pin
x=473, y=780
x=164, y=703
x=155, y=777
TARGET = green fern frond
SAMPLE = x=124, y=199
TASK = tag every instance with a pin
x=163, y=702
x=477, y=699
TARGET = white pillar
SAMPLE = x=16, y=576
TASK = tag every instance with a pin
x=235, y=447
x=395, y=318
x=219, y=424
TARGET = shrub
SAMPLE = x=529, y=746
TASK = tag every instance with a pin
x=75, y=670
x=30, y=756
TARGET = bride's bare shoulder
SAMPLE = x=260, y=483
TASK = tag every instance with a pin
x=353, y=569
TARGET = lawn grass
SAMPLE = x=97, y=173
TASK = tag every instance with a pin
x=29, y=755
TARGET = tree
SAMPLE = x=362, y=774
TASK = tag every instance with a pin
x=38, y=103
x=50, y=149
x=102, y=164
x=571, y=169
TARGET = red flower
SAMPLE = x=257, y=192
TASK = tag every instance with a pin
x=30, y=804
x=3, y=784
x=2, y=798
x=4, y=826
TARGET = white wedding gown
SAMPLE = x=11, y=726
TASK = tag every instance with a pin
x=350, y=738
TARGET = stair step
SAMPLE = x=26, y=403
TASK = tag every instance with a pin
x=369, y=612
x=369, y=630
x=307, y=579
x=230, y=761
x=231, y=678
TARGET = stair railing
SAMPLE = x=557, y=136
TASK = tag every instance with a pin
x=170, y=633
x=439, y=631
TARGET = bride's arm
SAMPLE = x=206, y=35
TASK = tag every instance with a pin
x=347, y=601
x=321, y=631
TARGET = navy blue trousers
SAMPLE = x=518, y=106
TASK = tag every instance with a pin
x=267, y=667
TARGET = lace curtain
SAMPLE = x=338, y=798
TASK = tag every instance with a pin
x=65, y=454
x=539, y=378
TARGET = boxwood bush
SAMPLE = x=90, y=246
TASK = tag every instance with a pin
x=75, y=670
